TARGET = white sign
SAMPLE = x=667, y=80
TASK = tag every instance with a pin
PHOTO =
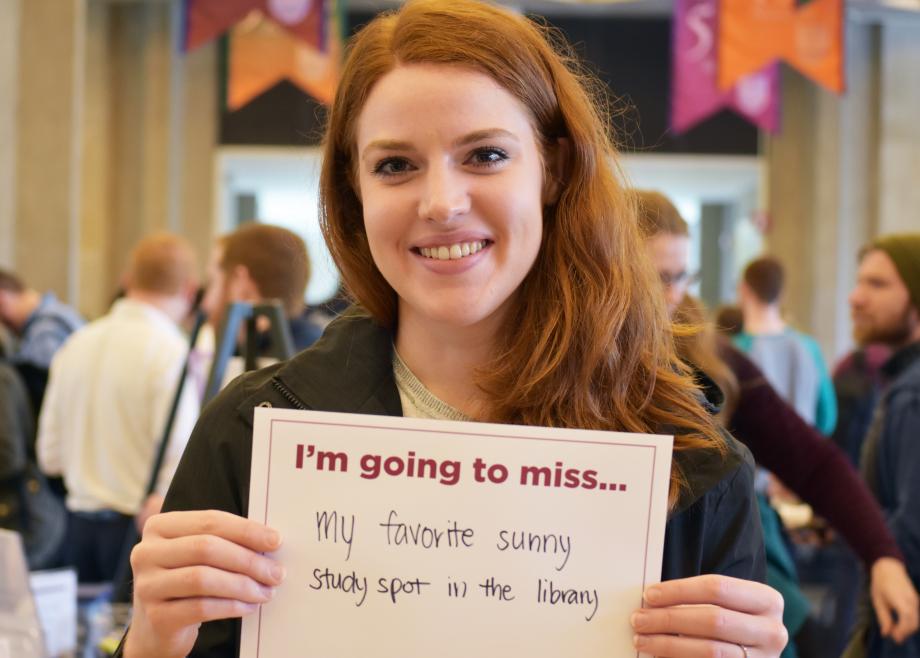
x=55, y=595
x=412, y=538
x=20, y=632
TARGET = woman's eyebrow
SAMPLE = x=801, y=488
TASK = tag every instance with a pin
x=469, y=138
x=488, y=133
x=387, y=145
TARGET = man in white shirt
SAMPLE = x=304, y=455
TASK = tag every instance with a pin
x=110, y=390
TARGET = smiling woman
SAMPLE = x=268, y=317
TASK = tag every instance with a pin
x=435, y=170
x=471, y=198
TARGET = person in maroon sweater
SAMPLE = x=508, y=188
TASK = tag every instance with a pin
x=812, y=467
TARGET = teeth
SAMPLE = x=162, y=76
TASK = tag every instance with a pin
x=454, y=251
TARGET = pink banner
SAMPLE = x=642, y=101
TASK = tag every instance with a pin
x=694, y=91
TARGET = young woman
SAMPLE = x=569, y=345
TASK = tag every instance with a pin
x=813, y=467
x=471, y=200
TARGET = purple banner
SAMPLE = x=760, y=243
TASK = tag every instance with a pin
x=694, y=92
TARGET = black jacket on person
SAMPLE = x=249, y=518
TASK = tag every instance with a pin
x=715, y=527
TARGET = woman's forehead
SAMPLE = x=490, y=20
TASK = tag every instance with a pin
x=413, y=99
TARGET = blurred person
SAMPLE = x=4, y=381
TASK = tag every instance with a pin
x=109, y=393
x=258, y=263
x=885, y=308
x=6, y=342
x=27, y=504
x=857, y=381
x=790, y=359
x=781, y=441
x=40, y=323
x=729, y=319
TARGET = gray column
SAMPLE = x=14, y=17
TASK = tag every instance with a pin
x=51, y=57
x=151, y=134
x=899, y=127
x=843, y=170
x=716, y=222
x=792, y=172
x=9, y=84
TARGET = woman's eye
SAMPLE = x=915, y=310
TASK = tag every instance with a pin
x=488, y=156
x=392, y=167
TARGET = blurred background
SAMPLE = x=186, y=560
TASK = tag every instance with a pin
x=112, y=125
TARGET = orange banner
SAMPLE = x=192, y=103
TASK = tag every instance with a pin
x=262, y=54
x=755, y=33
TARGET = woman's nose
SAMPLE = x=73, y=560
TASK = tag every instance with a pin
x=446, y=195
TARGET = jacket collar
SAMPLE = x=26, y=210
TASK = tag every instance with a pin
x=348, y=370
x=901, y=360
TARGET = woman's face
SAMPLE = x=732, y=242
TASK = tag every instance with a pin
x=670, y=253
x=451, y=181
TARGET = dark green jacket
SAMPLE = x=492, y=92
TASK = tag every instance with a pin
x=715, y=528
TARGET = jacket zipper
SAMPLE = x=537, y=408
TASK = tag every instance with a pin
x=287, y=394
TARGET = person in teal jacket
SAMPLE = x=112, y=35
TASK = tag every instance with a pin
x=791, y=360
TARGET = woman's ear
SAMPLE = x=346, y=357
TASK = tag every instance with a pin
x=556, y=170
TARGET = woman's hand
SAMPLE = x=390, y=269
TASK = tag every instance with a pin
x=894, y=599
x=709, y=616
x=193, y=567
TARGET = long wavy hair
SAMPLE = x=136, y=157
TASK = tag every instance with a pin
x=588, y=342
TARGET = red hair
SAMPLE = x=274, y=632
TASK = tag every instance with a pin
x=588, y=343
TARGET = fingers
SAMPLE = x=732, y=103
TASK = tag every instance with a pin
x=732, y=593
x=894, y=599
x=709, y=622
x=200, y=581
x=212, y=551
x=183, y=612
x=194, y=567
x=711, y=616
x=669, y=646
x=882, y=614
x=906, y=611
x=239, y=530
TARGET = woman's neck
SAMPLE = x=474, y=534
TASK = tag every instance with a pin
x=445, y=357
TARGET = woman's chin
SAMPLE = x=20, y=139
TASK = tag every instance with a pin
x=447, y=313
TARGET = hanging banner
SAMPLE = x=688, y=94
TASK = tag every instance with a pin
x=755, y=33
x=262, y=54
x=206, y=20
x=694, y=92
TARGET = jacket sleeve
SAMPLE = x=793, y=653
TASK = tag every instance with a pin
x=900, y=434
x=214, y=474
x=813, y=467
x=719, y=533
x=735, y=534
x=13, y=436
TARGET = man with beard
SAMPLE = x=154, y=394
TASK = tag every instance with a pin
x=885, y=306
